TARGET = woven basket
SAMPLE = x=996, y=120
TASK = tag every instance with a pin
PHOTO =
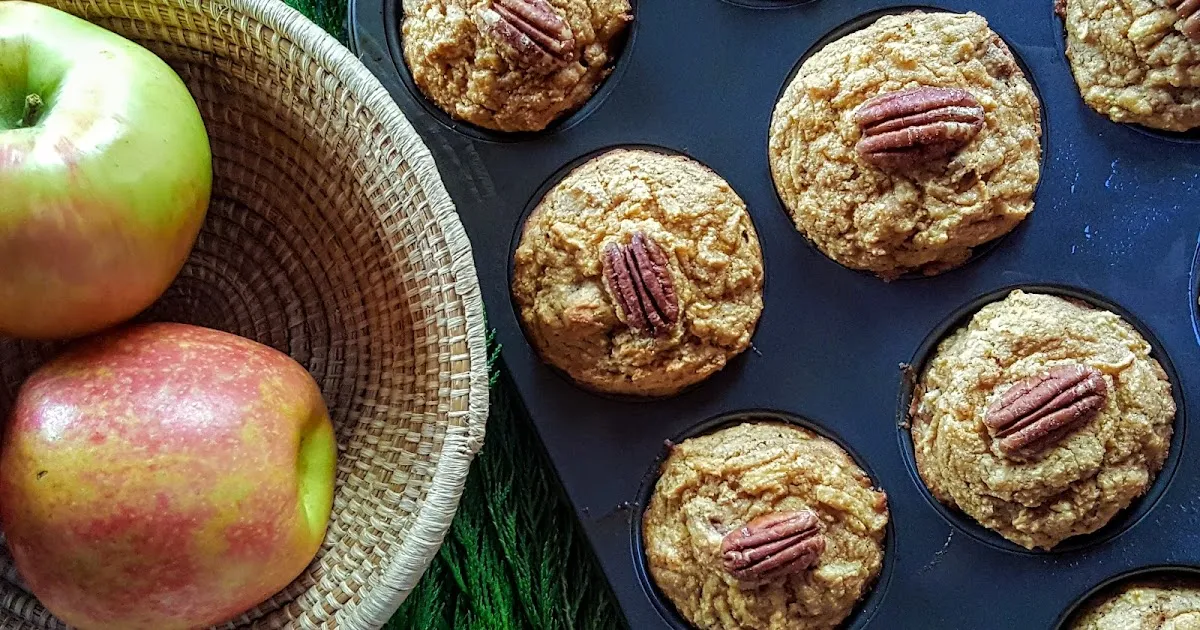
x=331, y=238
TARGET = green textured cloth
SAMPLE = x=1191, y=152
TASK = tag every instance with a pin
x=514, y=557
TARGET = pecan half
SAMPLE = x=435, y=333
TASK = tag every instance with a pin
x=912, y=127
x=774, y=545
x=1189, y=13
x=530, y=33
x=1034, y=414
x=639, y=281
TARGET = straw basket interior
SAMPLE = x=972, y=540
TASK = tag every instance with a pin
x=330, y=237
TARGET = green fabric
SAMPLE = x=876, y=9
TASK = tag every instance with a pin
x=515, y=556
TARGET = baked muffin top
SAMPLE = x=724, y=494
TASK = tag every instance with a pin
x=639, y=274
x=1042, y=418
x=511, y=65
x=1134, y=61
x=726, y=495
x=972, y=179
x=1145, y=605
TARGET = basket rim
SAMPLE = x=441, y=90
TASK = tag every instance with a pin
x=432, y=521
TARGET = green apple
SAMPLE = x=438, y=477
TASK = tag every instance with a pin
x=105, y=174
x=165, y=477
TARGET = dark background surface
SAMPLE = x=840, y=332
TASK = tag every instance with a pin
x=1116, y=218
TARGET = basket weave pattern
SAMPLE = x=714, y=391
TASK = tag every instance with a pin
x=330, y=237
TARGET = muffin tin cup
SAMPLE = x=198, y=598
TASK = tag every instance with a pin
x=1192, y=136
x=1124, y=520
x=391, y=14
x=519, y=231
x=1115, y=220
x=867, y=605
x=1107, y=587
x=860, y=22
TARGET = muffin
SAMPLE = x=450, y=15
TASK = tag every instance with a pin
x=639, y=274
x=1137, y=61
x=1145, y=605
x=900, y=148
x=512, y=65
x=764, y=526
x=1042, y=418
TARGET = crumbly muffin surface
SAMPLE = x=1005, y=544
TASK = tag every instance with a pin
x=463, y=71
x=716, y=483
x=713, y=255
x=1132, y=63
x=1145, y=605
x=923, y=220
x=1077, y=485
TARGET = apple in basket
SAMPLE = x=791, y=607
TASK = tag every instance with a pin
x=165, y=476
x=105, y=174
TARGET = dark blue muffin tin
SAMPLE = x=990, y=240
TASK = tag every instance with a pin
x=1116, y=222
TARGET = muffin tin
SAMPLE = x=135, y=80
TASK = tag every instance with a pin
x=1116, y=221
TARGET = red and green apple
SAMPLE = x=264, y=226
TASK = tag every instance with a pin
x=105, y=174
x=165, y=476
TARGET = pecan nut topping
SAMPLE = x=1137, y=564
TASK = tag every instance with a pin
x=911, y=127
x=531, y=34
x=1189, y=13
x=774, y=545
x=1035, y=413
x=639, y=281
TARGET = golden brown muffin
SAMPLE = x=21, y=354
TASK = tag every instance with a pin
x=639, y=274
x=1042, y=418
x=947, y=168
x=511, y=65
x=1134, y=62
x=750, y=482
x=1145, y=605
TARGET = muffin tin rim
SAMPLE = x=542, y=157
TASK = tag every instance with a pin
x=394, y=14
x=1125, y=520
x=768, y=5
x=867, y=605
x=1194, y=291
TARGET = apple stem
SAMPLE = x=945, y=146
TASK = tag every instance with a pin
x=33, y=110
